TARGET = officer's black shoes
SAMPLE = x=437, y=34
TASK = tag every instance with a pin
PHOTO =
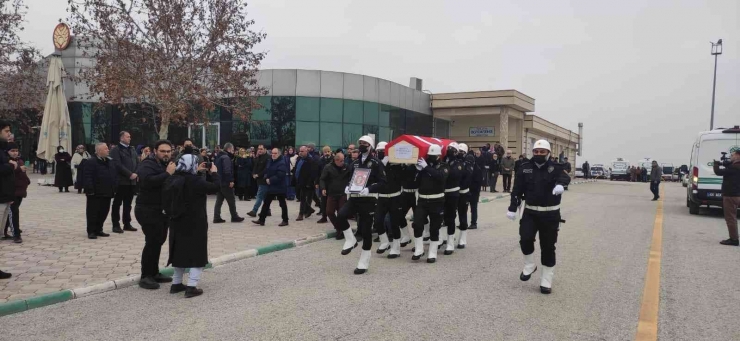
x=177, y=288
x=431, y=260
x=92, y=236
x=192, y=292
x=128, y=227
x=460, y=246
x=382, y=251
x=415, y=257
x=473, y=226
x=545, y=291
x=433, y=252
x=364, y=262
x=360, y=271
x=350, y=242
x=284, y=223
x=403, y=244
x=395, y=249
x=5, y=275
x=218, y=221
x=237, y=219
x=426, y=239
x=392, y=256
x=102, y=234
x=339, y=236
x=347, y=251
x=117, y=230
x=524, y=277
x=160, y=278
x=448, y=252
x=546, y=283
x=148, y=283
x=654, y=199
x=259, y=222
x=733, y=242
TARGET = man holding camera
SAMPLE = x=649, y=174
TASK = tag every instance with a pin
x=730, y=193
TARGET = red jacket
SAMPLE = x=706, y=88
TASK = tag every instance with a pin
x=21, y=180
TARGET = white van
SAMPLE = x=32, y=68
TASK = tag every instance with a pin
x=620, y=170
x=704, y=187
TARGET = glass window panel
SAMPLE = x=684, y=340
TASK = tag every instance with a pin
x=398, y=119
x=371, y=112
x=384, y=134
x=442, y=128
x=306, y=132
x=351, y=133
x=353, y=111
x=101, y=124
x=283, y=135
x=261, y=132
x=139, y=122
x=384, y=118
x=331, y=134
x=371, y=129
x=331, y=110
x=308, y=109
x=263, y=113
x=240, y=133
x=177, y=133
x=282, y=109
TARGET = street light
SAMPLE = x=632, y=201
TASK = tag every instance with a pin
x=716, y=51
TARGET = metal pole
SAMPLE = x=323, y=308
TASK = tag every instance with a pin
x=714, y=87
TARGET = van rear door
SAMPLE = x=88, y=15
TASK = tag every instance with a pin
x=711, y=149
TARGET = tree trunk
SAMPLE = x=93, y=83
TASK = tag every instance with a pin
x=164, y=129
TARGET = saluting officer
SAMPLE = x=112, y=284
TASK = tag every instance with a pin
x=540, y=182
x=452, y=194
x=389, y=202
x=466, y=177
x=362, y=205
x=432, y=176
x=408, y=199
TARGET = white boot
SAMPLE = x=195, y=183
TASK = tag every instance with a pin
x=364, y=262
x=546, y=282
x=425, y=235
x=395, y=249
x=385, y=245
x=463, y=239
x=443, y=236
x=432, y=252
x=529, y=267
x=418, y=248
x=350, y=242
x=450, y=245
x=405, y=237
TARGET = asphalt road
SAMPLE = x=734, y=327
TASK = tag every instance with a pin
x=310, y=293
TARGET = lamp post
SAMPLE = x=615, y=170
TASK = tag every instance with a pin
x=716, y=51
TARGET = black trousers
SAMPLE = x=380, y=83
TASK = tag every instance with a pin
x=16, y=220
x=450, y=211
x=494, y=180
x=96, y=210
x=462, y=210
x=547, y=224
x=655, y=188
x=269, y=197
x=322, y=208
x=227, y=194
x=507, y=182
x=431, y=210
x=393, y=207
x=364, y=210
x=154, y=224
x=474, y=198
x=124, y=195
x=306, y=196
x=408, y=201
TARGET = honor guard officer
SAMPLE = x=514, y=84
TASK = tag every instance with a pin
x=540, y=182
x=408, y=199
x=389, y=202
x=432, y=176
x=362, y=204
x=452, y=194
x=466, y=177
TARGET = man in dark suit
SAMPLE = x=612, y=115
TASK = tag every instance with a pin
x=125, y=160
x=306, y=174
x=100, y=180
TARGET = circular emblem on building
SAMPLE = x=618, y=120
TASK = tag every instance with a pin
x=61, y=36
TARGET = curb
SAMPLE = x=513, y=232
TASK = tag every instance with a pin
x=18, y=306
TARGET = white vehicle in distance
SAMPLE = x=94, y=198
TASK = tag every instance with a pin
x=579, y=172
x=705, y=187
x=668, y=172
x=620, y=170
x=598, y=171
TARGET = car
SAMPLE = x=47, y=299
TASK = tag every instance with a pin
x=579, y=172
x=704, y=188
x=598, y=171
x=620, y=171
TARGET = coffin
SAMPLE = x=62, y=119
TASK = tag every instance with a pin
x=409, y=148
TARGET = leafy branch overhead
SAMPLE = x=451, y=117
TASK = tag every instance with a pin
x=182, y=57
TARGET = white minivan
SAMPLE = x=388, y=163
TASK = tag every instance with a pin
x=704, y=187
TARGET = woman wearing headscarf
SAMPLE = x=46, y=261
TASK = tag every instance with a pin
x=77, y=162
x=63, y=177
x=189, y=230
x=243, y=174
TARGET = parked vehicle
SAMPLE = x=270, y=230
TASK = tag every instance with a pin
x=579, y=172
x=598, y=171
x=668, y=172
x=704, y=187
x=620, y=170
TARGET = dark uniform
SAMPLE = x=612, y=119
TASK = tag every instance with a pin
x=466, y=177
x=567, y=169
x=363, y=207
x=389, y=202
x=452, y=191
x=431, y=200
x=410, y=183
x=542, y=208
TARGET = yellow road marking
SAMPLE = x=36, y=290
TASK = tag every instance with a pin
x=647, y=326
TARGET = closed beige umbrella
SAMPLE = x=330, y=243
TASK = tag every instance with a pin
x=56, y=128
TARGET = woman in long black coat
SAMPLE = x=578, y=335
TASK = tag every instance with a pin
x=63, y=177
x=189, y=231
x=243, y=174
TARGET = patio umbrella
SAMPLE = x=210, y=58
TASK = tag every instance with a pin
x=55, y=125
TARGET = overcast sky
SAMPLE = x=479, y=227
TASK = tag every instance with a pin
x=638, y=74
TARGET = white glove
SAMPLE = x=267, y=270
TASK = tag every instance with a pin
x=558, y=190
x=365, y=191
x=511, y=215
x=346, y=190
x=421, y=163
x=384, y=161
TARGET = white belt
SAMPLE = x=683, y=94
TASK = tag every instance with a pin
x=454, y=189
x=409, y=190
x=542, y=208
x=431, y=196
x=357, y=195
x=463, y=191
x=392, y=195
